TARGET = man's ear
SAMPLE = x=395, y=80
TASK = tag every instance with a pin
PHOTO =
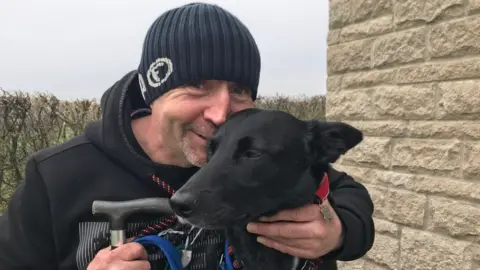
x=327, y=141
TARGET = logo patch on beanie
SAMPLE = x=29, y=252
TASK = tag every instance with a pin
x=143, y=88
x=159, y=71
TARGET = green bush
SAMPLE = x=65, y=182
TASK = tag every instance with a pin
x=29, y=122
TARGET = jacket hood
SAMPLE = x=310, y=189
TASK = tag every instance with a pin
x=113, y=134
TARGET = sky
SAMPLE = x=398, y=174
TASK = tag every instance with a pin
x=78, y=48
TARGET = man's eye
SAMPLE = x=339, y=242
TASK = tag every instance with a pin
x=240, y=90
x=199, y=85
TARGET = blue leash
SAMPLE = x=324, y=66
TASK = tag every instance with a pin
x=173, y=256
x=227, y=265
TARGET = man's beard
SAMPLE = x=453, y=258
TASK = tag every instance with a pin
x=195, y=156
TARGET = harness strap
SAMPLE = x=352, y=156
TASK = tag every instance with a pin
x=172, y=254
x=227, y=265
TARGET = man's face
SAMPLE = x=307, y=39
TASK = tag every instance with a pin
x=186, y=117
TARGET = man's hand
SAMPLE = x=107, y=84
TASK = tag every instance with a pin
x=128, y=256
x=301, y=232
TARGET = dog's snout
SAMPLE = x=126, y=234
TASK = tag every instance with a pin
x=182, y=204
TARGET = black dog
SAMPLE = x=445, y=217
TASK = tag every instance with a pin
x=260, y=161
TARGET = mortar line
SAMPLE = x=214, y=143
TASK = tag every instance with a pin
x=399, y=256
x=462, y=156
x=426, y=215
x=436, y=97
x=466, y=4
x=394, y=15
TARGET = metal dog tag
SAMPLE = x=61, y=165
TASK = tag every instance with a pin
x=326, y=212
x=186, y=257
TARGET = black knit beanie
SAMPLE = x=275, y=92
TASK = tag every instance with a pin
x=197, y=42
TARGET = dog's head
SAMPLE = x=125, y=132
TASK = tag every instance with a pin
x=260, y=161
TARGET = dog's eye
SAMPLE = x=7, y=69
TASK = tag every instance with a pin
x=252, y=153
x=245, y=149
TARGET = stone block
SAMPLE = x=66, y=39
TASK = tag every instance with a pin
x=409, y=13
x=370, y=28
x=423, y=250
x=334, y=83
x=410, y=102
x=439, y=71
x=351, y=265
x=357, y=173
x=344, y=12
x=438, y=186
x=351, y=56
x=333, y=36
x=458, y=219
x=345, y=105
x=474, y=6
x=455, y=38
x=363, y=79
x=444, y=129
x=386, y=227
x=372, y=151
x=372, y=266
x=385, y=251
x=399, y=206
x=459, y=100
x=384, y=128
x=436, y=157
x=400, y=48
x=471, y=161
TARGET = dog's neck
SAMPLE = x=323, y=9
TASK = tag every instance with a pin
x=254, y=255
x=257, y=256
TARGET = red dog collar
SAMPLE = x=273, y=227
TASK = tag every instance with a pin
x=322, y=193
x=324, y=189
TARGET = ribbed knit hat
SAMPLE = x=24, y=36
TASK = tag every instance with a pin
x=196, y=42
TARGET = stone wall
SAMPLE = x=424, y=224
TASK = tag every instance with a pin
x=407, y=73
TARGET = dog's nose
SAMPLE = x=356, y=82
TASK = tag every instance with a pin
x=182, y=204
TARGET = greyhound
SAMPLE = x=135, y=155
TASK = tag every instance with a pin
x=260, y=162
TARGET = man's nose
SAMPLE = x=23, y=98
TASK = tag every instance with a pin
x=219, y=109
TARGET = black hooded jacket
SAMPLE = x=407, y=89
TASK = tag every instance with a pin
x=49, y=224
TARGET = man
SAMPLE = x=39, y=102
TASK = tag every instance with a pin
x=199, y=64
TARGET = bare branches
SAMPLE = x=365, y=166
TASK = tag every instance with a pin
x=29, y=123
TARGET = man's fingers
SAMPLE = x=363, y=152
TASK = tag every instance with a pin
x=286, y=229
x=130, y=252
x=137, y=265
x=294, y=242
x=309, y=212
x=127, y=256
x=306, y=253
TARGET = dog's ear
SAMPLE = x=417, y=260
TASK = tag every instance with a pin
x=327, y=141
